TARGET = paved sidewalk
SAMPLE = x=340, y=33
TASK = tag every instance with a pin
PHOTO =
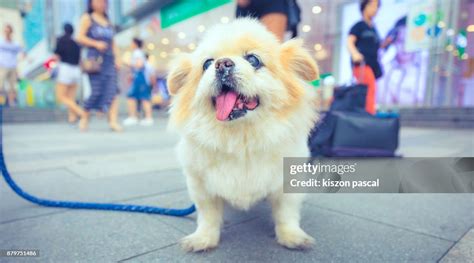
x=138, y=166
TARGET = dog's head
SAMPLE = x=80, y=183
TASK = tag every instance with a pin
x=240, y=73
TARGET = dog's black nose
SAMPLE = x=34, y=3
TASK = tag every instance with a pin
x=224, y=65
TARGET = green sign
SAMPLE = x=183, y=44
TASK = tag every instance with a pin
x=316, y=83
x=183, y=9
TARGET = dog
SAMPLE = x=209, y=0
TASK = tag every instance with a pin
x=241, y=103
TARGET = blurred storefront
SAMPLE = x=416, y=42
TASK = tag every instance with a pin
x=431, y=63
x=427, y=66
x=41, y=23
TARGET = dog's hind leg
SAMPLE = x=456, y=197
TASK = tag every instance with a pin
x=286, y=214
x=209, y=210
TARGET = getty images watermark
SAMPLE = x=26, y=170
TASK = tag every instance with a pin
x=378, y=175
x=319, y=169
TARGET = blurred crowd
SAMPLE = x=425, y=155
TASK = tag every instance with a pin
x=92, y=52
x=88, y=48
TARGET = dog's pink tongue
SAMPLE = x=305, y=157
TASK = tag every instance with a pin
x=224, y=104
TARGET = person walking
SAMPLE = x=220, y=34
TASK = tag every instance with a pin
x=69, y=73
x=364, y=44
x=9, y=51
x=142, y=85
x=277, y=15
x=150, y=78
x=96, y=33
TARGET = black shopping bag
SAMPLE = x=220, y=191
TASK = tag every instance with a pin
x=354, y=134
x=349, y=98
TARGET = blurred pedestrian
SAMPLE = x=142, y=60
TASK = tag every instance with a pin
x=137, y=64
x=364, y=44
x=150, y=77
x=277, y=15
x=138, y=55
x=9, y=51
x=96, y=33
x=140, y=91
x=69, y=73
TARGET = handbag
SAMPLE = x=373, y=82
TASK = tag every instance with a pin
x=92, y=65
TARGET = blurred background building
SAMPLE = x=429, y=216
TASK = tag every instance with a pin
x=430, y=67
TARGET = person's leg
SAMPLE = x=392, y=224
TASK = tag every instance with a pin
x=96, y=94
x=62, y=94
x=147, y=108
x=3, y=80
x=110, y=100
x=12, y=81
x=276, y=23
x=132, y=107
x=71, y=117
x=61, y=91
x=365, y=75
x=71, y=94
x=113, y=115
x=132, y=110
x=132, y=104
x=95, y=97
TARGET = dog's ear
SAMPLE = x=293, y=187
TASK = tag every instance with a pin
x=179, y=70
x=297, y=59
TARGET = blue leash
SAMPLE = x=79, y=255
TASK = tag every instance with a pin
x=83, y=205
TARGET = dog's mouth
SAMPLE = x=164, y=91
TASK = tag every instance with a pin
x=231, y=105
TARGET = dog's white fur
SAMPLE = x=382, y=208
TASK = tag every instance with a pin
x=241, y=161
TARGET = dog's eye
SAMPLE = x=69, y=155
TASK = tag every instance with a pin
x=207, y=63
x=254, y=61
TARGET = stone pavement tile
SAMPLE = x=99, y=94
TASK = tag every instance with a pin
x=40, y=183
x=446, y=216
x=71, y=148
x=83, y=148
x=463, y=251
x=61, y=184
x=339, y=238
x=188, y=225
x=458, y=143
x=119, y=164
x=95, y=126
x=88, y=236
x=109, y=162
x=13, y=208
x=435, y=151
x=432, y=136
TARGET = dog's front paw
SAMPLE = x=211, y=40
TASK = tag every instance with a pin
x=199, y=242
x=293, y=238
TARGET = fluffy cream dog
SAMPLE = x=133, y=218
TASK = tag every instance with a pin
x=242, y=103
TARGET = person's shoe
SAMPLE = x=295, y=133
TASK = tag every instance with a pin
x=130, y=121
x=147, y=122
x=72, y=119
x=83, y=123
x=115, y=127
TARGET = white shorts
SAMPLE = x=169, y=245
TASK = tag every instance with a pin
x=8, y=75
x=68, y=74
